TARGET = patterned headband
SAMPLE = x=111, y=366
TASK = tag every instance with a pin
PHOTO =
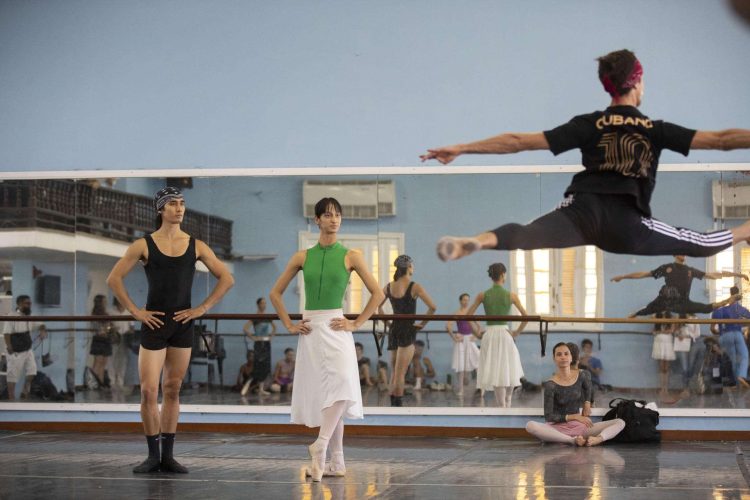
x=164, y=196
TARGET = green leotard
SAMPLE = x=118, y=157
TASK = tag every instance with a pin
x=497, y=302
x=326, y=277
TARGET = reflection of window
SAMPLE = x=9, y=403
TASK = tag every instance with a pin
x=725, y=261
x=565, y=282
x=379, y=252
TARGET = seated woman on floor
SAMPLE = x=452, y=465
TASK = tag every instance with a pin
x=566, y=401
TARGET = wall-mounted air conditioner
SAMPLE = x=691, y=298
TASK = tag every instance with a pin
x=731, y=200
x=359, y=199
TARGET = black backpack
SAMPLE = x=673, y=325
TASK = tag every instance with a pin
x=640, y=422
x=42, y=387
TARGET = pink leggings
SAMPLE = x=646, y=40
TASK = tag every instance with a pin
x=567, y=432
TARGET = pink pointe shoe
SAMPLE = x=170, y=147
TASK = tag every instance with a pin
x=318, y=461
x=452, y=248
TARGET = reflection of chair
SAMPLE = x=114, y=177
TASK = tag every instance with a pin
x=208, y=349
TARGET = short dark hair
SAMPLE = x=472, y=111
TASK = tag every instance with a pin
x=496, y=270
x=463, y=295
x=420, y=343
x=574, y=352
x=257, y=302
x=322, y=206
x=734, y=290
x=21, y=298
x=359, y=344
x=586, y=342
x=287, y=350
x=618, y=66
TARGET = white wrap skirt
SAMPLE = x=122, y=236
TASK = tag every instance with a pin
x=499, y=360
x=326, y=371
x=465, y=354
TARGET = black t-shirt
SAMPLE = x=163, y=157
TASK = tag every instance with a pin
x=678, y=276
x=620, y=150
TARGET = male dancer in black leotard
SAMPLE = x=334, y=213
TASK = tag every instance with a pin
x=607, y=204
x=169, y=257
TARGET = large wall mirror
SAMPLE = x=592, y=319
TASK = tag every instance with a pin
x=60, y=238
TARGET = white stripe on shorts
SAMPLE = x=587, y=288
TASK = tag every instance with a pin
x=714, y=239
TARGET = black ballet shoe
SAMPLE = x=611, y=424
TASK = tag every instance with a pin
x=171, y=465
x=393, y=399
x=398, y=401
x=151, y=464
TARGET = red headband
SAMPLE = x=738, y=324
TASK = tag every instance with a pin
x=631, y=81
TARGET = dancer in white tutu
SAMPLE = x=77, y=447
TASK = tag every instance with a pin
x=465, y=350
x=499, y=362
x=326, y=383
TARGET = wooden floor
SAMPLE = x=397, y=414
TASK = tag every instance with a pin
x=98, y=465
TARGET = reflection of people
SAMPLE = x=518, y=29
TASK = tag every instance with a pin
x=421, y=371
x=364, y=366
x=662, y=351
x=590, y=362
x=169, y=255
x=327, y=378
x=246, y=371
x=101, y=345
x=608, y=204
x=18, y=343
x=264, y=331
x=403, y=293
x=283, y=374
x=731, y=339
x=669, y=300
x=565, y=403
x=465, y=350
x=500, y=367
x=122, y=349
x=678, y=275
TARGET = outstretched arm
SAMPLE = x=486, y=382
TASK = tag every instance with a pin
x=725, y=274
x=632, y=276
x=500, y=144
x=725, y=140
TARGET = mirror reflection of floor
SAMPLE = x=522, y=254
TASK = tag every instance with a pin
x=371, y=396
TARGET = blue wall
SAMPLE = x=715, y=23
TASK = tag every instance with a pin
x=100, y=85
x=166, y=84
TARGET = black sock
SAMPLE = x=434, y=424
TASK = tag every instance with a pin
x=153, y=446
x=151, y=464
x=167, y=444
x=168, y=463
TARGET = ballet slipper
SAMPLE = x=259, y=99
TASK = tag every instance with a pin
x=452, y=248
x=594, y=441
x=318, y=460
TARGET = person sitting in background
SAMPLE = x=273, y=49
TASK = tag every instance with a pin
x=245, y=374
x=718, y=371
x=382, y=375
x=587, y=361
x=364, y=365
x=585, y=375
x=731, y=339
x=421, y=369
x=283, y=374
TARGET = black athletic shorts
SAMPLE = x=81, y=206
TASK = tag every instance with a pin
x=402, y=335
x=612, y=223
x=171, y=334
